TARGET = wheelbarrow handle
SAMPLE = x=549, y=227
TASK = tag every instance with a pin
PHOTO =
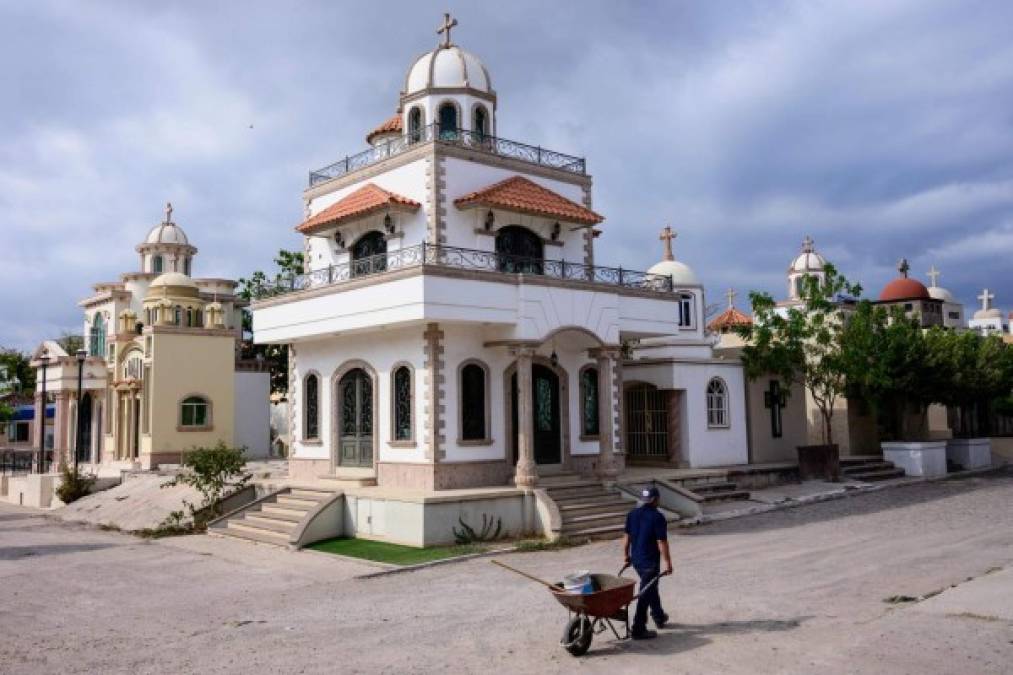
x=650, y=583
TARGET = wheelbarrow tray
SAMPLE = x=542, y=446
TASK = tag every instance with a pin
x=613, y=595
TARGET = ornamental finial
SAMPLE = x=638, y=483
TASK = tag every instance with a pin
x=807, y=244
x=168, y=212
x=667, y=235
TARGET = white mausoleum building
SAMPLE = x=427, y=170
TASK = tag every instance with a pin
x=456, y=326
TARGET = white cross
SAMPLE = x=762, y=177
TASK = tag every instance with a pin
x=934, y=276
x=986, y=300
x=731, y=298
x=667, y=235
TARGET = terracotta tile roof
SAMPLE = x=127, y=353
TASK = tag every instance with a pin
x=728, y=319
x=391, y=125
x=522, y=195
x=368, y=199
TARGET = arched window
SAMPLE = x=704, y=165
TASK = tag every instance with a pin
x=401, y=397
x=369, y=254
x=311, y=416
x=448, y=121
x=177, y=316
x=133, y=368
x=686, y=310
x=717, y=403
x=186, y=266
x=195, y=411
x=415, y=124
x=97, y=338
x=481, y=123
x=518, y=249
x=156, y=264
x=589, y=424
x=189, y=318
x=472, y=402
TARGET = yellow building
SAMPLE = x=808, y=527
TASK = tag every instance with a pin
x=159, y=373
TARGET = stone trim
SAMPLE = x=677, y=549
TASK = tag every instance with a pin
x=488, y=440
x=447, y=91
x=618, y=407
x=293, y=399
x=179, y=412
x=413, y=409
x=434, y=366
x=588, y=233
x=335, y=416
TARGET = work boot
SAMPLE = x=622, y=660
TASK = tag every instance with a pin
x=645, y=634
x=660, y=621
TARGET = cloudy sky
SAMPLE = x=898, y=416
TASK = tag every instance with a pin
x=882, y=128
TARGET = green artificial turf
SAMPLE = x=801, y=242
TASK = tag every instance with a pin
x=393, y=554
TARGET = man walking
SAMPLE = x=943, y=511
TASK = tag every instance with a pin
x=645, y=545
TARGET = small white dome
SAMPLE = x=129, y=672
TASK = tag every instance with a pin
x=992, y=313
x=808, y=262
x=940, y=293
x=447, y=67
x=173, y=279
x=681, y=273
x=167, y=233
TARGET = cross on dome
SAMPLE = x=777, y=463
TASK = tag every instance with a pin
x=903, y=267
x=444, y=30
x=731, y=298
x=986, y=300
x=933, y=275
x=808, y=244
x=667, y=235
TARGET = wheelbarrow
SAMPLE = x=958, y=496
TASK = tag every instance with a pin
x=589, y=614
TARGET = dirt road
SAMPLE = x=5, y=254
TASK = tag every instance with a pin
x=797, y=591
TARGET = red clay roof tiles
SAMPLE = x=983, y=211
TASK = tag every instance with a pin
x=525, y=196
x=368, y=199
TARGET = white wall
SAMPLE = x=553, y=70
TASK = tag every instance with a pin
x=252, y=414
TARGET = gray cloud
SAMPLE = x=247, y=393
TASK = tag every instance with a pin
x=881, y=128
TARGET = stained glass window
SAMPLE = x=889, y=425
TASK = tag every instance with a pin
x=97, y=338
x=473, y=402
x=365, y=403
x=312, y=389
x=369, y=254
x=717, y=404
x=348, y=426
x=589, y=401
x=402, y=404
x=518, y=249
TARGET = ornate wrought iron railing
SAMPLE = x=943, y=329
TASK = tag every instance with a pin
x=469, y=139
x=464, y=259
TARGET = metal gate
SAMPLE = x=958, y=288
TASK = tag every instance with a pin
x=646, y=422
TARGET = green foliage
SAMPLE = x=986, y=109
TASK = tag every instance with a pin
x=980, y=375
x=214, y=472
x=6, y=412
x=70, y=343
x=289, y=264
x=468, y=535
x=803, y=344
x=392, y=554
x=17, y=364
x=74, y=485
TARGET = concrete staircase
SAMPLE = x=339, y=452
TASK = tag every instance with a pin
x=588, y=509
x=713, y=490
x=273, y=519
x=869, y=469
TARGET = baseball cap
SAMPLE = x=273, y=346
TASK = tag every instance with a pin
x=649, y=493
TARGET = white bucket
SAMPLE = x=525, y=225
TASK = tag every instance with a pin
x=578, y=583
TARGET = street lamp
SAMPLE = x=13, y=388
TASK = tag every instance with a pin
x=81, y=356
x=44, y=359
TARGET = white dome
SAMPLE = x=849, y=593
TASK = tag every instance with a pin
x=809, y=261
x=173, y=279
x=167, y=233
x=940, y=293
x=447, y=67
x=681, y=273
x=992, y=313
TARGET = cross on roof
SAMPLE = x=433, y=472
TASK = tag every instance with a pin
x=903, y=267
x=168, y=212
x=986, y=300
x=444, y=30
x=934, y=276
x=731, y=298
x=667, y=235
x=807, y=244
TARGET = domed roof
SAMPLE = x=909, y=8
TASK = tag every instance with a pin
x=390, y=127
x=167, y=232
x=447, y=68
x=941, y=294
x=809, y=260
x=903, y=288
x=991, y=313
x=681, y=273
x=179, y=283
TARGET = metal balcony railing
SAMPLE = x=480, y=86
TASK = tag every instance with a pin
x=468, y=139
x=466, y=259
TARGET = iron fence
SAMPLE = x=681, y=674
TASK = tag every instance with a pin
x=465, y=259
x=468, y=139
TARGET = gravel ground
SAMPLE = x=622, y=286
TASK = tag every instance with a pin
x=794, y=591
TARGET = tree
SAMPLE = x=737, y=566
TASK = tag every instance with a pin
x=18, y=366
x=289, y=264
x=215, y=473
x=70, y=343
x=981, y=376
x=803, y=344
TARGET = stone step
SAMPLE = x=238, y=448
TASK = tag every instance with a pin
x=863, y=468
x=570, y=488
x=587, y=506
x=297, y=502
x=561, y=479
x=882, y=474
x=246, y=536
x=592, y=491
x=284, y=512
x=259, y=520
x=594, y=519
x=710, y=488
x=601, y=532
x=309, y=493
x=861, y=459
x=727, y=496
x=257, y=533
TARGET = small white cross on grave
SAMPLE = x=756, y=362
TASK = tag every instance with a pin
x=444, y=30
x=667, y=235
x=986, y=300
x=934, y=276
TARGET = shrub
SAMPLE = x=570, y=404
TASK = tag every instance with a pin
x=468, y=535
x=214, y=472
x=74, y=485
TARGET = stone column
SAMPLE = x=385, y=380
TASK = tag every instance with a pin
x=39, y=429
x=527, y=471
x=608, y=467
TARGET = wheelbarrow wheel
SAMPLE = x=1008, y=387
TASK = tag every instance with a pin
x=577, y=638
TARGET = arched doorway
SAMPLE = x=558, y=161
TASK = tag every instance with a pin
x=545, y=415
x=448, y=122
x=646, y=423
x=84, y=416
x=518, y=249
x=355, y=419
x=369, y=254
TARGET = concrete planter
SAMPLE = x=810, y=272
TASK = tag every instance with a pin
x=970, y=453
x=923, y=458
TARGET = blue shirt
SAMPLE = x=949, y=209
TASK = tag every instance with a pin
x=646, y=527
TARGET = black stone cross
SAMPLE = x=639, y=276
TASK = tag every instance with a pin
x=774, y=400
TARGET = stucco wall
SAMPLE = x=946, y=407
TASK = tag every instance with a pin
x=794, y=432
x=252, y=416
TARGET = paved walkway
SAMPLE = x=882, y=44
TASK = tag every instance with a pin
x=794, y=591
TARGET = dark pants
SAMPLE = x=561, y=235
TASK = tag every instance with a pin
x=651, y=599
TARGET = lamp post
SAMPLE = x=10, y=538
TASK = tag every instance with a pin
x=81, y=356
x=44, y=359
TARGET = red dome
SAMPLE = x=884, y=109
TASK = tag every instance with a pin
x=904, y=289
